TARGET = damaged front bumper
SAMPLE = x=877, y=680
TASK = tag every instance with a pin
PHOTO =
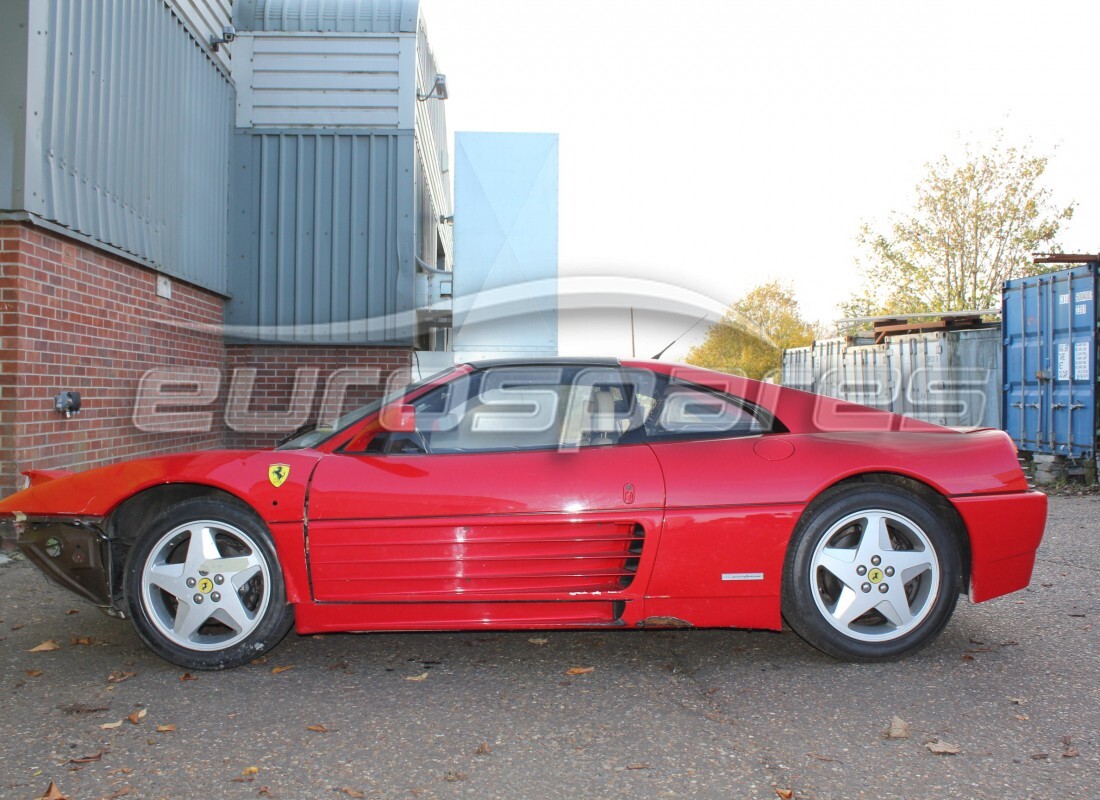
x=74, y=552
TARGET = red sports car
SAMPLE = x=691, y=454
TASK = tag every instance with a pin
x=557, y=494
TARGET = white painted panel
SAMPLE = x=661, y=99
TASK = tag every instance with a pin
x=297, y=79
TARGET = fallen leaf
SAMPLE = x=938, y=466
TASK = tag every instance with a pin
x=317, y=728
x=137, y=716
x=125, y=790
x=110, y=725
x=45, y=647
x=33, y=673
x=1040, y=756
x=483, y=749
x=122, y=770
x=1022, y=717
x=165, y=728
x=120, y=675
x=88, y=759
x=17, y=627
x=422, y=676
x=187, y=676
x=638, y=766
x=53, y=793
x=352, y=792
x=258, y=661
x=80, y=640
x=250, y=771
x=71, y=611
x=967, y=657
x=264, y=791
x=452, y=776
x=785, y=794
x=539, y=641
x=579, y=670
x=277, y=670
x=899, y=729
x=941, y=748
x=1018, y=701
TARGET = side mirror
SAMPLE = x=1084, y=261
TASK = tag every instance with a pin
x=398, y=418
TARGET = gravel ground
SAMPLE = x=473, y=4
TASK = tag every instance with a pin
x=1013, y=684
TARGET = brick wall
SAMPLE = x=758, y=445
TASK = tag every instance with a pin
x=73, y=318
x=273, y=389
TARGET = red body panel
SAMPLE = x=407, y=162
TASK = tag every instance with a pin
x=688, y=532
x=1004, y=535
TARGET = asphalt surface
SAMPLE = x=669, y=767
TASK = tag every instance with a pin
x=1013, y=684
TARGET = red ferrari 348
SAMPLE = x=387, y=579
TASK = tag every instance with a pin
x=557, y=494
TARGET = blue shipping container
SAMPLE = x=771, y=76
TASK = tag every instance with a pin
x=1049, y=399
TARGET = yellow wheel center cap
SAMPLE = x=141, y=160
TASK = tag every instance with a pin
x=874, y=576
x=206, y=585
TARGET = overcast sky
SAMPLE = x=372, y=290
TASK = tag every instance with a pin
x=716, y=144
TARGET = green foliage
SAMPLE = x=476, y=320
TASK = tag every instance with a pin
x=974, y=225
x=754, y=332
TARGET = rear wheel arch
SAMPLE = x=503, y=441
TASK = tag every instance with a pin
x=924, y=491
x=827, y=602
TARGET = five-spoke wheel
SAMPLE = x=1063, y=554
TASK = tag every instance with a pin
x=873, y=572
x=204, y=587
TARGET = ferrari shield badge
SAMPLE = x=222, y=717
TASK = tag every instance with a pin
x=277, y=474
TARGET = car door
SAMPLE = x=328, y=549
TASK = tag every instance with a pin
x=726, y=464
x=513, y=487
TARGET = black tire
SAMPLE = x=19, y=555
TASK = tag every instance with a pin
x=918, y=572
x=204, y=588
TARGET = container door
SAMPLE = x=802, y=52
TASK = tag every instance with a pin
x=1049, y=362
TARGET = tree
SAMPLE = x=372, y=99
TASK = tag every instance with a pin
x=974, y=225
x=754, y=332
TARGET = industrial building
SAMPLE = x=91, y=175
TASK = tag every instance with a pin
x=220, y=219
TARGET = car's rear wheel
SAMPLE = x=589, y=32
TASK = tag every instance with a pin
x=204, y=587
x=872, y=573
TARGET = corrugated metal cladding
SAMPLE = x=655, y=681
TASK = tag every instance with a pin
x=13, y=117
x=433, y=147
x=130, y=122
x=949, y=378
x=322, y=231
x=322, y=80
x=1050, y=350
x=342, y=16
x=207, y=18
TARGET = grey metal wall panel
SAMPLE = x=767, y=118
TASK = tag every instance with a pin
x=324, y=80
x=345, y=16
x=130, y=122
x=13, y=118
x=320, y=239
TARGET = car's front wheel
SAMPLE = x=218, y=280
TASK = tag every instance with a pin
x=204, y=587
x=872, y=573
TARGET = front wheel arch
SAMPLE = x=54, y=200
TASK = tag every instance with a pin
x=130, y=517
x=204, y=587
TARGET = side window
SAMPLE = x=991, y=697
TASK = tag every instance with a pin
x=496, y=410
x=608, y=406
x=686, y=410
